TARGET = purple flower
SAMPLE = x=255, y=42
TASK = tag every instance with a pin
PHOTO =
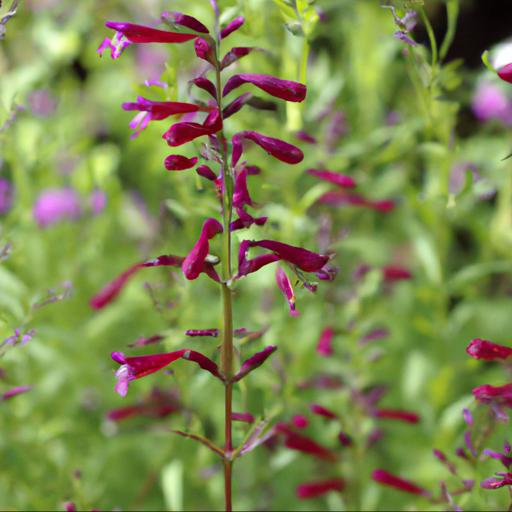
x=184, y=20
x=501, y=480
x=234, y=55
x=204, y=50
x=205, y=84
x=246, y=417
x=139, y=366
x=490, y=102
x=6, y=196
x=233, y=25
x=284, y=284
x=55, y=205
x=97, y=201
x=193, y=264
x=311, y=490
x=205, y=172
x=283, y=89
x=305, y=137
x=487, y=350
x=320, y=410
x=504, y=457
x=324, y=345
x=488, y=393
x=18, y=390
x=341, y=198
x=300, y=421
x=179, y=162
x=383, y=477
x=142, y=342
x=236, y=105
x=277, y=148
x=41, y=103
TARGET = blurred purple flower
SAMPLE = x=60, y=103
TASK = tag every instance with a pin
x=6, y=195
x=312, y=490
x=41, y=103
x=18, y=390
x=324, y=345
x=490, y=102
x=55, y=205
x=320, y=410
x=255, y=361
x=97, y=201
x=285, y=285
x=233, y=25
x=383, y=477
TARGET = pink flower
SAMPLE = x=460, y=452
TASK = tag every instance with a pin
x=56, y=205
x=487, y=350
x=311, y=490
x=488, y=394
x=490, y=102
x=341, y=180
x=341, y=198
x=193, y=264
x=284, y=284
x=234, y=55
x=283, y=89
x=396, y=414
x=502, y=479
x=383, y=477
x=254, y=362
x=304, y=444
x=139, y=366
x=181, y=133
x=324, y=345
x=184, y=20
x=18, y=390
x=246, y=417
x=505, y=73
x=300, y=421
x=97, y=201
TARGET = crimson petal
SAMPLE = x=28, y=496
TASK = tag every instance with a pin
x=179, y=162
x=254, y=362
x=233, y=25
x=385, y=478
x=487, y=350
x=283, y=89
x=310, y=490
x=142, y=34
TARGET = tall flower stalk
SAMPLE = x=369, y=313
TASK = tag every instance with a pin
x=231, y=188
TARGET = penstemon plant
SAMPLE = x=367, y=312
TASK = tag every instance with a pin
x=219, y=162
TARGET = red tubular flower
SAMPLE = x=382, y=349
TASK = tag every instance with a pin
x=305, y=444
x=487, y=350
x=246, y=266
x=488, y=393
x=142, y=342
x=246, y=417
x=305, y=137
x=161, y=109
x=184, y=20
x=505, y=73
x=205, y=172
x=341, y=180
x=181, y=133
x=139, y=366
x=142, y=34
x=233, y=25
x=341, y=198
x=302, y=258
x=394, y=273
x=157, y=404
x=284, y=284
x=112, y=289
x=193, y=264
x=277, y=148
x=320, y=410
x=383, y=477
x=179, y=162
x=324, y=345
x=314, y=489
x=204, y=50
x=241, y=195
x=236, y=105
x=300, y=421
x=205, y=84
x=283, y=89
x=396, y=414
x=234, y=55
x=254, y=362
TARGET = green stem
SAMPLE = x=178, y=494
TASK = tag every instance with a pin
x=226, y=355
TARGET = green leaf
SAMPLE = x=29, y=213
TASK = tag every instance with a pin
x=172, y=485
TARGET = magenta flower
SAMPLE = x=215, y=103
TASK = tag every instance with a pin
x=487, y=350
x=6, y=196
x=143, y=341
x=504, y=457
x=18, y=390
x=236, y=105
x=302, y=258
x=277, y=148
x=505, y=73
x=233, y=25
x=341, y=180
x=97, y=201
x=305, y=137
x=324, y=345
x=488, y=394
x=193, y=264
x=311, y=490
x=139, y=366
x=159, y=110
x=112, y=289
x=205, y=172
x=204, y=50
x=245, y=417
x=284, y=284
x=396, y=414
x=300, y=421
x=304, y=444
x=283, y=89
x=490, y=102
x=342, y=198
x=383, y=477
x=234, y=55
x=56, y=205
x=184, y=20
x=129, y=33
x=254, y=362
x=320, y=410
x=207, y=85
x=501, y=480
x=179, y=162
x=181, y=133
